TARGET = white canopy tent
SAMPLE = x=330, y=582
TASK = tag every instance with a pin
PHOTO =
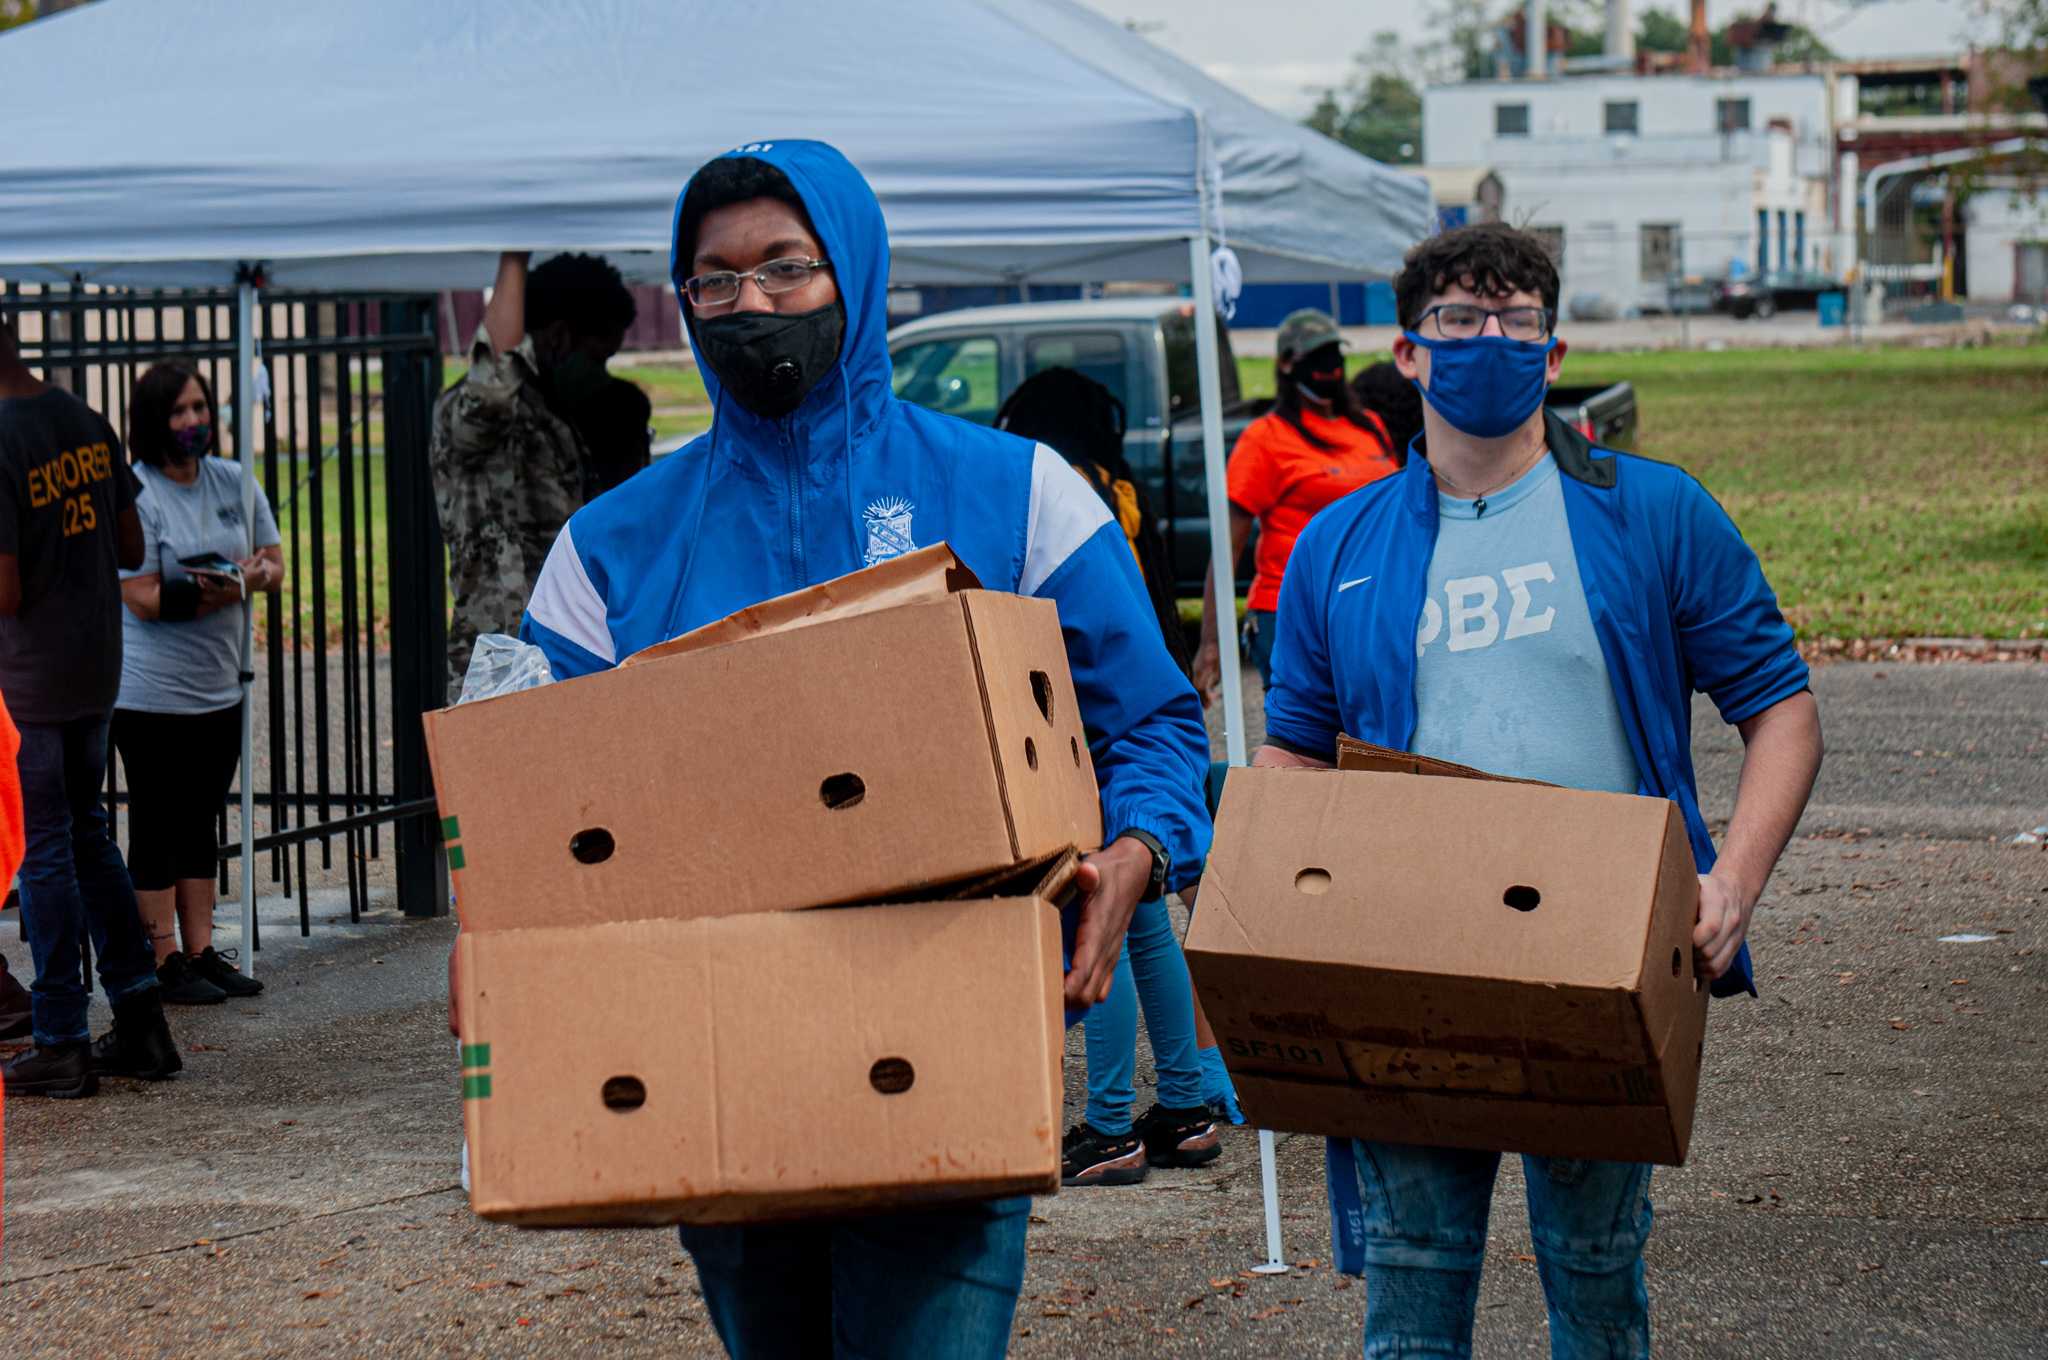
x=388, y=144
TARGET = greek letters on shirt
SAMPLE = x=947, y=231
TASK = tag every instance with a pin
x=1470, y=613
x=71, y=477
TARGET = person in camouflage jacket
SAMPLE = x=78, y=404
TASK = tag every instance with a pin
x=510, y=450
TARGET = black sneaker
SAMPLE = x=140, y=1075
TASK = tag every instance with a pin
x=215, y=968
x=1092, y=1157
x=1180, y=1137
x=139, y=1045
x=181, y=984
x=62, y=1072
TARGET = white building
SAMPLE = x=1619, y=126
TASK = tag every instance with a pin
x=1639, y=178
x=2007, y=242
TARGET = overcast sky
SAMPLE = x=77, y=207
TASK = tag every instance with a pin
x=1280, y=53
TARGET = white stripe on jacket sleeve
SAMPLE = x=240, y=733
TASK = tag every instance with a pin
x=565, y=603
x=1065, y=513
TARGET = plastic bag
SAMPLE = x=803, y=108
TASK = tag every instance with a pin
x=503, y=665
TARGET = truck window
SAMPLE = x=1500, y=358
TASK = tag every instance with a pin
x=1183, y=384
x=1092, y=354
x=956, y=374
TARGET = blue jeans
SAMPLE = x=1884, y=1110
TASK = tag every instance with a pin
x=73, y=882
x=939, y=1285
x=1412, y=1220
x=1153, y=973
x=1261, y=625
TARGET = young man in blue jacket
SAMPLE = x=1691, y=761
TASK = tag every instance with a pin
x=1522, y=601
x=812, y=468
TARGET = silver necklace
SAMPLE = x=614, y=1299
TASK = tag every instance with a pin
x=1479, y=499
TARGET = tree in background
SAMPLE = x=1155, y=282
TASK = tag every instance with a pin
x=1377, y=112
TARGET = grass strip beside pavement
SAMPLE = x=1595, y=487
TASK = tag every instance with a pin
x=1889, y=492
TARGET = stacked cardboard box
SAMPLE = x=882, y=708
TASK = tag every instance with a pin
x=1457, y=961
x=684, y=995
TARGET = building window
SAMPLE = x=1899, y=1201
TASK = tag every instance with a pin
x=1621, y=116
x=1763, y=240
x=1552, y=241
x=1510, y=120
x=1659, y=251
x=1731, y=115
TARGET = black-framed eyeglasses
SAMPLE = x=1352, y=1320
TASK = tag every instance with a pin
x=1465, y=321
x=721, y=286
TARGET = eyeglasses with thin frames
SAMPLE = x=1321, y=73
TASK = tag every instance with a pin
x=721, y=286
x=1466, y=321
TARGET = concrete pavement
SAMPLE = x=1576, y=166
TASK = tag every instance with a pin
x=1869, y=1174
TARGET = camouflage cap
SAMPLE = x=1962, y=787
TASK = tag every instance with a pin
x=1306, y=330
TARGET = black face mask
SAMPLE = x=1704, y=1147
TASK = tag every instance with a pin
x=768, y=360
x=1321, y=374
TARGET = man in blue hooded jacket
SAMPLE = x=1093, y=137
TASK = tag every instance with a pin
x=812, y=468
x=1519, y=600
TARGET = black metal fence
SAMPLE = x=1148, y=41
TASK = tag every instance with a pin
x=352, y=650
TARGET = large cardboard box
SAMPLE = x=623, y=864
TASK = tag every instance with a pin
x=767, y=1066
x=867, y=739
x=1455, y=962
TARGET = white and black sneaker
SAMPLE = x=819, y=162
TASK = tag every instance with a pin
x=1092, y=1157
x=1180, y=1137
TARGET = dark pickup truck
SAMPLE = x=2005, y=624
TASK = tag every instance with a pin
x=1142, y=349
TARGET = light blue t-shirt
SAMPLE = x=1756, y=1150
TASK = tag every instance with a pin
x=1509, y=677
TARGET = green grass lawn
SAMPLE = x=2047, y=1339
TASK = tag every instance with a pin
x=1889, y=492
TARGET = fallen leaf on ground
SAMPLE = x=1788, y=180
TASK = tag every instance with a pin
x=1275, y=1311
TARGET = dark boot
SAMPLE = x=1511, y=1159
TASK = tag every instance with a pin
x=181, y=985
x=139, y=1045
x=14, y=1005
x=62, y=1072
x=216, y=968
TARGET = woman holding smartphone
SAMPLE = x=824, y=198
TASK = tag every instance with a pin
x=178, y=721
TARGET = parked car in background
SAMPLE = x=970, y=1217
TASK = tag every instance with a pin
x=1142, y=349
x=1691, y=295
x=1764, y=296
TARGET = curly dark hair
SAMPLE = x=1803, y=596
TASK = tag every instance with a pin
x=1382, y=390
x=1492, y=259
x=585, y=291
x=149, y=412
x=721, y=183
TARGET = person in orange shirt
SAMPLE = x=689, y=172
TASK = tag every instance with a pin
x=1316, y=444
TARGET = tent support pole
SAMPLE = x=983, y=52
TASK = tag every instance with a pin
x=245, y=450
x=1208, y=361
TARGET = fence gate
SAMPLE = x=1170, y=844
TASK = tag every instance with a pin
x=353, y=648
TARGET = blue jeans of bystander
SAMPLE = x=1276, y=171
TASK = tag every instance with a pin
x=73, y=881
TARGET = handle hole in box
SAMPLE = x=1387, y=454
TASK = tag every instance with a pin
x=1074, y=745
x=1677, y=961
x=1522, y=897
x=624, y=1093
x=892, y=1076
x=593, y=845
x=1312, y=882
x=842, y=791
x=1031, y=753
x=1041, y=692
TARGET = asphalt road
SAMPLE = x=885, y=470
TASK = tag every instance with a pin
x=1869, y=1173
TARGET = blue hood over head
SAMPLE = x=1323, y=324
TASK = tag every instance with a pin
x=848, y=221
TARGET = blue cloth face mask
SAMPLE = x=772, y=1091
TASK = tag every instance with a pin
x=193, y=441
x=1486, y=386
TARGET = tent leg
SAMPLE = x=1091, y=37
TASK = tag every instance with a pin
x=245, y=450
x=1216, y=472
x=1208, y=360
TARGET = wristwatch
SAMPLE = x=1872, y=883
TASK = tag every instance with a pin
x=1161, y=861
